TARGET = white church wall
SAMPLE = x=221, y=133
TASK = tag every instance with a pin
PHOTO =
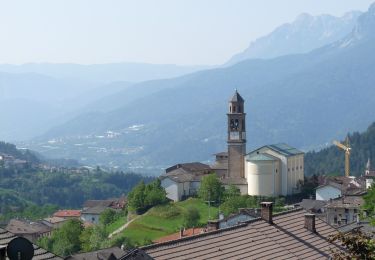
x=261, y=178
x=283, y=166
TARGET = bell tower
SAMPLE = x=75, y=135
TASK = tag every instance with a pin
x=236, y=137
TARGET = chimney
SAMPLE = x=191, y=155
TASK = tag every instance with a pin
x=310, y=222
x=181, y=232
x=212, y=225
x=266, y=211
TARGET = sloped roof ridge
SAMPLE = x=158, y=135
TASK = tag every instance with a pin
x=242, y=224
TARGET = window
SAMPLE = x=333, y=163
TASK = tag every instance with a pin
x=288, y=169
x=239, y=109
x=234, y=109
x=346, y=210
x=276, y=170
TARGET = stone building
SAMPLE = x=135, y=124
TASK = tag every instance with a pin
x=270, y=170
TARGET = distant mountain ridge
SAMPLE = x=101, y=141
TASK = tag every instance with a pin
x=304, y=100
x=304, y=34
x=103, y=73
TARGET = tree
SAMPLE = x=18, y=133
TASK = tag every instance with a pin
x=211, y=188
x=358, y=245
x=93, y=238
x=155, y=194
x=107, y=217
x=136, y=197
x=369, y=205
x=66, y=240
x=191, y=217
x=143, y=197
x=232, y=192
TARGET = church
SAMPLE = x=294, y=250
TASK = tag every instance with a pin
x=270, y=170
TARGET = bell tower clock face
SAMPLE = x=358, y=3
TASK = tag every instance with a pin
x=234, y=135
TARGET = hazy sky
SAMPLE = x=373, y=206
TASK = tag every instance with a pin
x=153, y=31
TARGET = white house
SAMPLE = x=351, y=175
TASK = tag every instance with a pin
x=92, y=215
x=328, y=191
x=183, y=180
x=274, y=170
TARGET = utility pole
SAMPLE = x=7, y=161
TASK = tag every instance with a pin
x=209, y=205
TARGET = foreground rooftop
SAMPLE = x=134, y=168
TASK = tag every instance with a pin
x=285, y=237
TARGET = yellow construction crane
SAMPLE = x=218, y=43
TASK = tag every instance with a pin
x=347, y=149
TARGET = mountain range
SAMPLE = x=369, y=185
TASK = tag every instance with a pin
x=37, y=97
x=305, y=100
x=304, y=34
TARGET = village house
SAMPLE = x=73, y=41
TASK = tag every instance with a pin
x=335, y=187
x=344, y=210
x=28, y=229
x=39, y=253
x=54, y=222
x=115, y=203
x=313, y=206
x=235, y=219
x=68, y=214
x=293, y=234
x=182, y=233
x=113, y=253
x=92, y=215
x=183, y=180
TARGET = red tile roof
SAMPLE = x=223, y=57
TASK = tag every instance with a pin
x=68, y=213
x=186, y=233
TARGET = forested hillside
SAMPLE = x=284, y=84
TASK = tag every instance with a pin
x=331, y=160
x=11, y=149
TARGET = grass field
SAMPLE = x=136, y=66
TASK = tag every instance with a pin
x=115, y=225
x=164, y=220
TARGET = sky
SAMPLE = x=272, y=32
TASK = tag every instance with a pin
x=183, y=32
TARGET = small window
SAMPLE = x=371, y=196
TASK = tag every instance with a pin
x=346, y=210
x=288, y=169
x=239, y=109
x=276, y=170
x=234, y=109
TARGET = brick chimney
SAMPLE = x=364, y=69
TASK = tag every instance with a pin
x=266, y=211
x=212, y=225
x=310, y=222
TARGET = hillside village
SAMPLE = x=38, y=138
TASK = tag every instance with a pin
x=172, y=162
x=266, y=172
